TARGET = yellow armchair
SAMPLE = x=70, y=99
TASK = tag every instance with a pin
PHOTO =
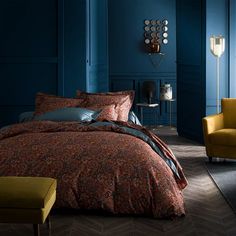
x=220, y=131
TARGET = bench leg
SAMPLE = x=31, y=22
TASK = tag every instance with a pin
x=36, y=230
x=48, y=220
x=210, y=159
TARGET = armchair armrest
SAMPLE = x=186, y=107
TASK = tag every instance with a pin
x=211, y=124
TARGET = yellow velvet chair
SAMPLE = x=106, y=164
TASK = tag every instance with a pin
x=220, y=131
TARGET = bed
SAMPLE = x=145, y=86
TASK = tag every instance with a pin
x=101, y=160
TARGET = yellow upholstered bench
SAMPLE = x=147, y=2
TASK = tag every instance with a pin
x=27, y=200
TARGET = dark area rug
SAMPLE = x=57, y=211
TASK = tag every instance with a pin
x=224, y=175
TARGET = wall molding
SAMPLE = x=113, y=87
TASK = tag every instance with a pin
x=159, y=74
x=28, y=60
x=60, y=48
x=124, y=81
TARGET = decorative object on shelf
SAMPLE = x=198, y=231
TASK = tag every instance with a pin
x=217, y=46
x=155, y=34
x=149, y=90
x=166, y=92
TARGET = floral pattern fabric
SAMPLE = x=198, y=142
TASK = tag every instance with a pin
x=107, y=113
x=98, y=168
x=123, y=101
x=46, y=102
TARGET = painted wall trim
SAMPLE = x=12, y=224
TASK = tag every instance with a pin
x=232, y=52
x=60, y=85
x=27, y=60
x=161, y=74
x=96, y=46
x=88, y=42
x=229, y=43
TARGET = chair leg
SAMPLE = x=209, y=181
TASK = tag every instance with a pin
x=36, y=230
x=210, y=159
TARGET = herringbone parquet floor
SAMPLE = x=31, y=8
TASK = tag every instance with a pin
x=207, y=212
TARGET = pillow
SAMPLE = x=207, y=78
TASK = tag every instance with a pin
x=133, y=118
x=107, y=113
x=46, y=102
x=69, y=114
x=4, y=127
x=26, y=116
x=122, y=100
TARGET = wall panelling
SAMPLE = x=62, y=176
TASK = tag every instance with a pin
x=129, y=62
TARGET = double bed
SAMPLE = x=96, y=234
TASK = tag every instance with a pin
x=100, y=162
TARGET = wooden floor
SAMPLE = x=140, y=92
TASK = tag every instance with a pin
x=207, y=212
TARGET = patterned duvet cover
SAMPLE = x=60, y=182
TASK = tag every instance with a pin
x=118, y=167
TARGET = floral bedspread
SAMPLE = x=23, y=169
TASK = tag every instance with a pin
x=98, y=167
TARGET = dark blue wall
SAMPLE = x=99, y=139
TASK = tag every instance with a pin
x=28, y=54
x=73, y=37
x=196, y=82
x=47, y=45
x=191, y=67
x=129, y=62
x=58, y=46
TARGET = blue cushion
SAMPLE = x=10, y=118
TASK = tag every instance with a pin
x=133, y=118
x=5, y=127
x=69, y=114
x=26, y=116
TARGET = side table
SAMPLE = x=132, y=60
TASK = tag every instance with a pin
x=147, y=105
x=170, y=108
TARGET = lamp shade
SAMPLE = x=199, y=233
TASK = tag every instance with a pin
x=217, y=44
x=149, y=90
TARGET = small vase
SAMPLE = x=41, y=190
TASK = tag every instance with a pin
x=166, y=92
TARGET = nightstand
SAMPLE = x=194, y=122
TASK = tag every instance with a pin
x=141, y=106
x=170, y=109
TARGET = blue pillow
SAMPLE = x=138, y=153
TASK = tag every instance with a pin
x=133, y=118
x=69, y=114
x=4, y=127
x=26, y=116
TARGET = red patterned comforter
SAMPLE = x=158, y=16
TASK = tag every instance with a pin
x=99, y=168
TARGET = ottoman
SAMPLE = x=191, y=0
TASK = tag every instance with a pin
x=27, y=200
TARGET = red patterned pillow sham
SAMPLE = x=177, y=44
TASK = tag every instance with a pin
x=122, y=100
x=107, y=113
x=46, y=102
